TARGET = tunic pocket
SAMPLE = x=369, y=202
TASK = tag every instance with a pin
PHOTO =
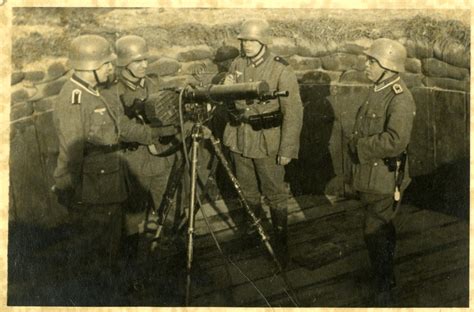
x=382, y=180
x=375, y=120
x=103, y=180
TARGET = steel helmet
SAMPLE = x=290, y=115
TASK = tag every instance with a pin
x=225, y=53
x=389, y=53
x=89, y=52
x=255, y=29
x=131, y=48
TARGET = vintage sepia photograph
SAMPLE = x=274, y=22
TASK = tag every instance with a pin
x=238, y=157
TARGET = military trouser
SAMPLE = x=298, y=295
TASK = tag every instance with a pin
x=265, y=176
x=262, y=176
x=148, y=193
x=99, y=229
x=380, y=237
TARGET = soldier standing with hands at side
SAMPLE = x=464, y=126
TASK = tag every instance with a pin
x=378, y=151
x=263, y=137
x=90, y=174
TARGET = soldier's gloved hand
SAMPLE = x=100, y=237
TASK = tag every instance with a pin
x=65, y=197
x=164, y=131
x=283, y=161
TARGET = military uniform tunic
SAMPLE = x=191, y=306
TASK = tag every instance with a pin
x=89, y=125
x=284, y=140
x=148, y=174
x=382, y=129
x=255, y=152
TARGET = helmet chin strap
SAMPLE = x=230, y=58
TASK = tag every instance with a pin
x=100, y=83
x=131, y=73
x=261, y=49
x=242, y=52
x=381, y=76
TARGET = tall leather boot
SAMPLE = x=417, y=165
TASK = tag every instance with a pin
x=280, y=235
x=381, y=248
x=389, y=254
x=130, y=255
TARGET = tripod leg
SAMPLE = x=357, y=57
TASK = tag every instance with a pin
x=263, y=236
x=192, y=203
x=168, y=198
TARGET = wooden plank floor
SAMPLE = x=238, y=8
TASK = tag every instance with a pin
x=329, y=267
x=330, y=263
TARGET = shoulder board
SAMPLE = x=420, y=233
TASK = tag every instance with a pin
x=76, y=96
x=397, y=88
x=281, y=60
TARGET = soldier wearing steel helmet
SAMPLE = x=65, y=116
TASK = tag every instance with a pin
x=148, y=173
x=89, y=176
x=261, y=150
x=378, y=150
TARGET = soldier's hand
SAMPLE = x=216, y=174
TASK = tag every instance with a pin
x=283, y=161
x=163, y=131
x=65, y=197
x=229, y=79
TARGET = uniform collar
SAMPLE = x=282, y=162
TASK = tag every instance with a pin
x=257, y=62
x=85, y=85
x=386, y=83
x=133, y=85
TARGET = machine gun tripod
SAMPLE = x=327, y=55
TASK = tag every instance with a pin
x=199, y=132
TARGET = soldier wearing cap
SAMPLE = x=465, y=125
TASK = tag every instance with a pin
x=89, y=176
x=148, y=172
x=261, y=149
x=378, y=151
x=224, y=57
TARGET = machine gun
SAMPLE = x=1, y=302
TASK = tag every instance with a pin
x=162, y=108
x=259, y=90
x=198, y=102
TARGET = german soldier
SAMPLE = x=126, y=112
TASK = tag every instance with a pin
x=89, y=176
x=148, y=172
x=378, y=151
x=264, y=136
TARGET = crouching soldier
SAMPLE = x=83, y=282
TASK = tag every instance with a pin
x=378, y=151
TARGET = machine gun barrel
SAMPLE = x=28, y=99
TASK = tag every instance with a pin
x=238, y=91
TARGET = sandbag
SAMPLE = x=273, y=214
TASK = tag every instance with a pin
x=452, y=52
x=413, y=65
x=447, y=83
x=164, y=67
x=436, y=68
x=354, y=77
